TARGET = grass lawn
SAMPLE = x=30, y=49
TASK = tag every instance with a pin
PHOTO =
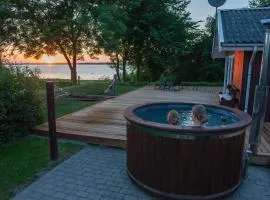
x=124, y=88
x=23, y=159
x=64, y=106
x=98, y=88
x=88, y=88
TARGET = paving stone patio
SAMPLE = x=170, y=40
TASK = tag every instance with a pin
x=100, y=173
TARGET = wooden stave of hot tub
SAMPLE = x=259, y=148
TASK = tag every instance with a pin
x=185, y=164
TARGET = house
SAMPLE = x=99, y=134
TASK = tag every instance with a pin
x=239, y=38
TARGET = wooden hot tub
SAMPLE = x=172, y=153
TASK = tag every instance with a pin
x=185, y=162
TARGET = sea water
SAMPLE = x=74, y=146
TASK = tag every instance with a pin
x=85, y=71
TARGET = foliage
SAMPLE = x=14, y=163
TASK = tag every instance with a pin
x=115, y=31
x=153, y=37
x=58, y=26
x=150, y=35
x=259, y=3
x=20, y=103
x=22, y=160
x=196, y=64
x=161, y=32
x=8, y=27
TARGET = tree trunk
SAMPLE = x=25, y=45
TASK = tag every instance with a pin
x=138, y=73
x=124, y=57
x=138, y=67
x=124, y=69
x=1, y=59
x=118, y=68
x=74, y=64
x=74, y=75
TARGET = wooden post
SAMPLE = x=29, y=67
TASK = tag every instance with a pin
x=115, y=85
x=51, y=120
x=79, y=80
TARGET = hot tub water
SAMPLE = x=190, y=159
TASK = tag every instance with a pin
x=158, y=114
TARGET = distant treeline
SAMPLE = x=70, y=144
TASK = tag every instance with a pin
x=155, y=39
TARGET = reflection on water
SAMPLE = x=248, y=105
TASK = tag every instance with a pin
x=85, y=71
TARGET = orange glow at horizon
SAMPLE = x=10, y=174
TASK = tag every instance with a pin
x=55, y=59
x=48, y=59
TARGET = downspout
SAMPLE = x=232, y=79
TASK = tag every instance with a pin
x=231, y=69
x=249, y=77
x=225, y=74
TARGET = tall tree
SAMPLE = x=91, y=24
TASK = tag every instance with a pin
x=150, y=36
x=259, y=3
x=196, y=63
x=8, y=27
x=115, y=32
x=212, y=69
x=160, y=33
x=58, y=26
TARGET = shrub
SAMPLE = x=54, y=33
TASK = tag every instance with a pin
x=20, y=104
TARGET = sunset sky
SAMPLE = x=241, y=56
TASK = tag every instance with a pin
x=199, y=10
x=55, y=59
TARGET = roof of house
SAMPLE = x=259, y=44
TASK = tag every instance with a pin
x=243, y=26
x=239, y=29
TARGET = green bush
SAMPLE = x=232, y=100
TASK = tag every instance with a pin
x=20, y=104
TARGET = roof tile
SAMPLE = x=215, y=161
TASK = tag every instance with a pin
x=243, y=25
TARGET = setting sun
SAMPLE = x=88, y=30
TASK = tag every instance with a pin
x=48, y=59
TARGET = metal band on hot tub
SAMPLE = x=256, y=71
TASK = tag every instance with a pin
x=185, y=136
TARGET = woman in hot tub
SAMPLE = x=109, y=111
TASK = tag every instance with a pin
x=199, y=116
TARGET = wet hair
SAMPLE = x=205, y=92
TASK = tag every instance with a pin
x=200, y=113
x=173, y=117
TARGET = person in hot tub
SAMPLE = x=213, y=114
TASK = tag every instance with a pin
x=199, y=116
x=174, y=118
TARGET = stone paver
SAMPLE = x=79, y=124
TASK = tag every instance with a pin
x=99, y=173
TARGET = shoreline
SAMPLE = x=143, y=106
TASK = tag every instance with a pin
x=99, y=63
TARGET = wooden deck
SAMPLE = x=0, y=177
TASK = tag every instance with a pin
x=104, y=123
x=264, y=146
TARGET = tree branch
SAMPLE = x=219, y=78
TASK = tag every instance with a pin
x=65, y=55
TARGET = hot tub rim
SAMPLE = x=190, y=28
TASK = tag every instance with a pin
x=245, y=121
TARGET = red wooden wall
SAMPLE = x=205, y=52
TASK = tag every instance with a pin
x=240, y=76
x=238, y=73
x=238, y=68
